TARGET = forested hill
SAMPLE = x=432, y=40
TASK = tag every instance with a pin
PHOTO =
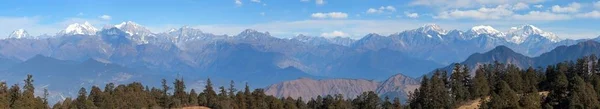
x=506, y=86
x=503, y=54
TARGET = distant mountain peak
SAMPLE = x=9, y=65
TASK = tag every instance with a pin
x=133, y=28
x=249, y=31
x=520, y=34
x=79, y=29
x=431, y=28
x=19, y=33
x=485, y=29
x=501, y=48
x=141, y=34
x=252, y=33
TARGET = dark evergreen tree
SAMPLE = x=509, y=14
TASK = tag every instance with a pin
x=504, y=97
x=210, y=95
x=193, y=98
x=581, y=95
x=480, y=86
x=82, y=102
x=458, y=86
x=179, y=93
x=557, y=97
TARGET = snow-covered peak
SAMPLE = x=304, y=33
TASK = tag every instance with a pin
x=18, y=34
x=133, y=28
x=526, y=29
x=79, y=29
x=484, y=29
x=431, y=28
x=252, y=33
x=520, y=34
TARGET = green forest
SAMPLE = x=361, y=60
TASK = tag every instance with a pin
x=498, y=86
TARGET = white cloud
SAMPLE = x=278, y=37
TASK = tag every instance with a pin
x=593, y=14
x=304, y=0
x=333, y=15
x=571, y=8
x=389, y=8
x=262, y=13
x=520, y=6
x=80, y=14
x=468, y=3
x=538, y=6
x=411, y=15
x=541, y=16
x=255, y=1
x=373, y=10
x=381, y=9
x=597, y=4
x=483, y=13
x=334, y=34
x=105, y=17
x=238, y=2
x=320, y=2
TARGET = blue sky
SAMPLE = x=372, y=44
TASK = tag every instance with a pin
x=287, y=18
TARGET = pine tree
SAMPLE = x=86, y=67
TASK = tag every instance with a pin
x=438, y=90
x=96, y=96
x=300, y=104
x=513, y=77
x=504, y=97
x=418, y=99
x=458, y=87
x=289, y=103
x=210, y=94
x=581, y=95
x=165, y=101
x=179, y=93
x=223, y=99
x=193, y=98
x=386, y=103
x=232, y=89
x=4, y=96
x=396, y=104
x=82, y=102
x=480, y=86
x=27, y=99
x=557, y=97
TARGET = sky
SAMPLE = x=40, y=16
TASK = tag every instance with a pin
x=287, y=18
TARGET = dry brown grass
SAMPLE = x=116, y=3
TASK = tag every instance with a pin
x=474, y=104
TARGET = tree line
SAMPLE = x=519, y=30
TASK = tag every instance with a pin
x=568, y=85
x=573, y=85
x=136, y=96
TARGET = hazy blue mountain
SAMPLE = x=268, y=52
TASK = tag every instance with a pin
x=505, y=55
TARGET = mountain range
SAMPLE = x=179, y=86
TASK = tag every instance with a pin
x=503, y=54
x=400, y=86
x=258, y=57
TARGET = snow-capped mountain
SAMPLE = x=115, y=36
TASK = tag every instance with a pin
x=18, y=34
x=185, y=34
x=519, y=35
x=250, y=34
x=431, y=28
x=137, y=33
x=79, y=29
x=344, y=41
x=485, y=29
